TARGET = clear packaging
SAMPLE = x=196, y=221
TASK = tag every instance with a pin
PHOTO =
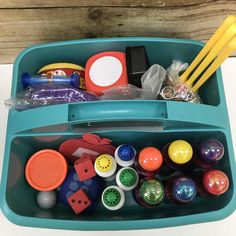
x=152, y=80
x=48, y=94
x=126, y=92
x=179, y=92
x=176, y=90
x=174, y=70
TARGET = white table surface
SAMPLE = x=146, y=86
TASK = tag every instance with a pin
x=224, y=227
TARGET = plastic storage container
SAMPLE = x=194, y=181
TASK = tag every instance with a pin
x=140, y=123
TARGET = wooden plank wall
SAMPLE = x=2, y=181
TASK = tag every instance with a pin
x=26, y=22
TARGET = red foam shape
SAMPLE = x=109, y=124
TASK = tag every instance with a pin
x=91, y=138
x=79, y=201
x=90, y=144
x=88, y=156
x=84, y=168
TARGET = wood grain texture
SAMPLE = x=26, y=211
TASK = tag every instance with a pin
x=26, y=22
x=100, y=3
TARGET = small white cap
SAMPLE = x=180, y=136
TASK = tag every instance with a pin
x=130, y=159
x=105, y=165
x=113, y=198
x=127, y=178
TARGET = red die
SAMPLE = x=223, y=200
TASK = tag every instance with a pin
x=79, y=201
x=84, y=168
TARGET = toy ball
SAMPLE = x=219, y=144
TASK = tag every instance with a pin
x=184, y=189
x=125, y=155
x=211, y=150
x=47, y=200
x=180, y=152
x=93, y=187
x=150, y=159
x=151, y=191
x=215, y=182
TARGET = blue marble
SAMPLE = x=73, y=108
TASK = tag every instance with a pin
x=184, y=189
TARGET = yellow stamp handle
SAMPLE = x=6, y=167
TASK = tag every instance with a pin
x=213, y=40
x=226, y=52
x=224, y=40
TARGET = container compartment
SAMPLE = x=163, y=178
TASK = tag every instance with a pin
x=20, y=197
x=159, y=50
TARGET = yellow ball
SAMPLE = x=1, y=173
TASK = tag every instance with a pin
x=180, y=152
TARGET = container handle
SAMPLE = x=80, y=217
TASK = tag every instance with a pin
x=117, y=111
x=99, y=113
x=147, y=126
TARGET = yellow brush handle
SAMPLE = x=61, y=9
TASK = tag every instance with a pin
x=223, y=27
x=226, y=52
x=224, y=40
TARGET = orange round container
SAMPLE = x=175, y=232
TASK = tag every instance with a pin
x=150, y=159
x=46, y=170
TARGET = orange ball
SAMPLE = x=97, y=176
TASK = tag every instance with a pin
x=150, y=159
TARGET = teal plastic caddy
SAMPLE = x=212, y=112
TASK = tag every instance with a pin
x=137, y=122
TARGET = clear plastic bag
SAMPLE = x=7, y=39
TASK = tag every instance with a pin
x=174, y=70
x=176, y=90
x=152, y=80
x=179, y=92
x=48, y=94
x=126, y=92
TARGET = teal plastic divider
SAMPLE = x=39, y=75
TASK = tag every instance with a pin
x=166, y=111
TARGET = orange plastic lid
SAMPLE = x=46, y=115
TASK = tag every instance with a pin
x=46, y=170
x=150, y=159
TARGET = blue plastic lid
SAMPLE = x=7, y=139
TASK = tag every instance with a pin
x=126, y=152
